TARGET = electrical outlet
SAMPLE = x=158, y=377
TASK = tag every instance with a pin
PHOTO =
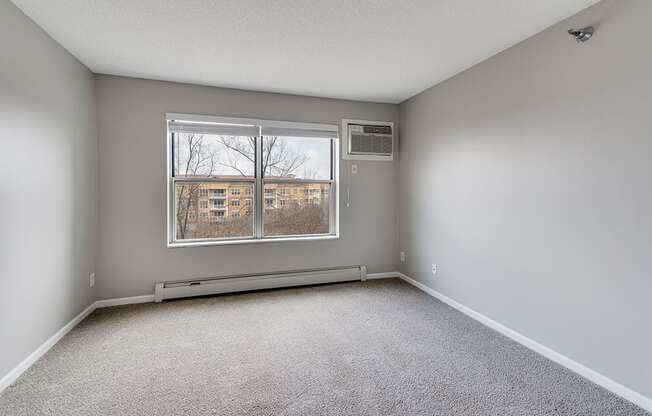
x=354, y=169
x=402, y=256
x=91, y=279
x=435, y=269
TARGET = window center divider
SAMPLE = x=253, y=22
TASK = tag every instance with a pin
x=260, y=202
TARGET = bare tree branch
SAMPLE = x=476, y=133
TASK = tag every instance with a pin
x=200, y=155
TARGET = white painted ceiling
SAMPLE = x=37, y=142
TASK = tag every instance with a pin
x=372, y=50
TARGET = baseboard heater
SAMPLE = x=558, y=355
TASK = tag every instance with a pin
x=247, y=282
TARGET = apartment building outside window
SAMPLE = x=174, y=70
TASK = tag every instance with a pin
x=236, y=180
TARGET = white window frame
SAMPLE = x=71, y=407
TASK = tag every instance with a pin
x=258, y=188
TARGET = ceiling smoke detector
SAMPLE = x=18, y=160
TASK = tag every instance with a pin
x=582, y=35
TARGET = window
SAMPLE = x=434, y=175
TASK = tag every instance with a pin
x=286, y=170
x=308, y=167
x=203, y=162
x=217, y=215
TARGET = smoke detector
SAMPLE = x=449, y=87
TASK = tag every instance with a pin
x=582, y=35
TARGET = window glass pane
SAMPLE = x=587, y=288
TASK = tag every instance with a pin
x=296, y=157
x=213, y=210
x=296, y=208
x=209, y=155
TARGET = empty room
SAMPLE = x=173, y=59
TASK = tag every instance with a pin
x=333, y=207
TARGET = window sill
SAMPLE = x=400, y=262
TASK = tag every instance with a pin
x=251, y=241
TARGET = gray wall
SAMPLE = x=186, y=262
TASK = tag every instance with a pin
x=132, y=185
x=49, y=153
x=528, y=179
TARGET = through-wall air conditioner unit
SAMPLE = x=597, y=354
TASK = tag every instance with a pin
x=368, y=140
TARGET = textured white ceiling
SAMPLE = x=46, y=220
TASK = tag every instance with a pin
x=373, y=50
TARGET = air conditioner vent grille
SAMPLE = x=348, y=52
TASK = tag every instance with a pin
x=377, y=129
x=371, y=144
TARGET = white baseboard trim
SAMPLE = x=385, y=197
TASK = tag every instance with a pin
x=595, y=377
x=591, y=375
x=384, y=275
x=150, y=298
x=17, y=371
x=124, y=301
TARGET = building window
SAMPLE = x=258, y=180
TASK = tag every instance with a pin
x=217, y=216
x=211, y=158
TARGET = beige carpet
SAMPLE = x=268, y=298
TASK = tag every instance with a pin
x=376, y=348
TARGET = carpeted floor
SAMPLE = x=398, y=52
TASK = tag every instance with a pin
x=375, y=348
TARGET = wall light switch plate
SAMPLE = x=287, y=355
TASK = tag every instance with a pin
x=91, y=279
x=354, y=169
x=435, y=269
x=402, y=256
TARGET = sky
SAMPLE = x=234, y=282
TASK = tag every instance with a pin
x=229, y=162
